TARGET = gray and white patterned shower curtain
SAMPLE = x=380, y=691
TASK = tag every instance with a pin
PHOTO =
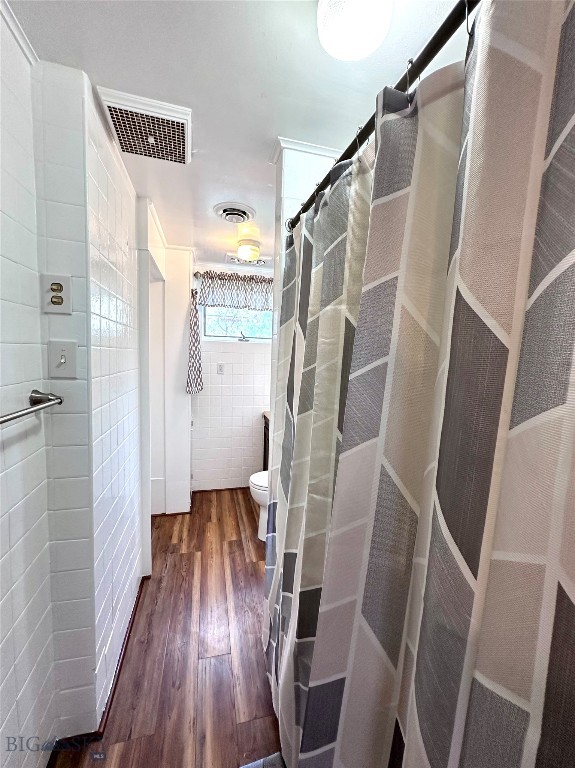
x=320, y=301
x=439, y=626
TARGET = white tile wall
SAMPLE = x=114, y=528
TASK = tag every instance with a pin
x=27, y=681
x=70, y=478
x=227, y=437
x=58, y=94
x=114, y=364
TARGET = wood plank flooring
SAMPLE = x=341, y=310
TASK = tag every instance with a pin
x=193, y=692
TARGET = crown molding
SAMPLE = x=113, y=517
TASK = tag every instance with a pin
x=18, y=33
x=282, y=143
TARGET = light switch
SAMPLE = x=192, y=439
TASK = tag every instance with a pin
x=62, y=359
x=56, y=294
x=221, y=369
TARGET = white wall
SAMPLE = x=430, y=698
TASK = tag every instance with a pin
x=27, y=675
x=156, y=241
x=177, y=405
x=157, y=398
x=115, y=400
x=151, y=254
x=167, y=339
x=226, y=444
x=227, y=438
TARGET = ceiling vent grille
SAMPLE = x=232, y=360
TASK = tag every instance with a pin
x=234, y=213
x=149, y=128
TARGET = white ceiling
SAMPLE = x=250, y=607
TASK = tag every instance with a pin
x=250, y=70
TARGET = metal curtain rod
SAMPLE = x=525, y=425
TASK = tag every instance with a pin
x=38, y=401
x=458, y=14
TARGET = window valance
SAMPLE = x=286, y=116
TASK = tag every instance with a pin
x=230, y=289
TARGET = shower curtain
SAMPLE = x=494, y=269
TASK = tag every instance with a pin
x=320, y=302
x=422, y=614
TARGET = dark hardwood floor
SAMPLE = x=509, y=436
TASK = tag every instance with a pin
x=193, y=692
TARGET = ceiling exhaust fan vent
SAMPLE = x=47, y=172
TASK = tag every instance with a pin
x=149, y=128
x=234, y=213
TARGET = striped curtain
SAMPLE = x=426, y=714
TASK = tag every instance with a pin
x=425, y=617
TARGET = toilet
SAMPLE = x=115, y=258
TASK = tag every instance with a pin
x=259, y=491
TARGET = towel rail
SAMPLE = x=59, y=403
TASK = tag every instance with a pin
x=38, y=401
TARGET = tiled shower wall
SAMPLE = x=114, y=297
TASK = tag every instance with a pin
x=86, y=221
x=114, y=365
x=70, y=527
x=27, y=679
x=62, y=216
x=227, y=436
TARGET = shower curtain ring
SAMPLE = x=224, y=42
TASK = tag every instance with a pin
x=409, y=65
x=467, y=18
x=357, y=136
x=289, y=225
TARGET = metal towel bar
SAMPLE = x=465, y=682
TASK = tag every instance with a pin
x=38, y=401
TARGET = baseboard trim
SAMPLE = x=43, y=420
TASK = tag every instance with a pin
x=106, y=712
x=80, y=742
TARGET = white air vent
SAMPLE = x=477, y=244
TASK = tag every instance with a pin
x=234, y=213
x=149, y=128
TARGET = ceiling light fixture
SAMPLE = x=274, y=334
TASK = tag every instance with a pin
x=351, y=30
x=248, y=250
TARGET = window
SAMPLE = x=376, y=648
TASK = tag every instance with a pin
x=228, y=323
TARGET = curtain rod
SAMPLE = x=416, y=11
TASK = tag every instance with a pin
x=458, y=14
x=197, y=274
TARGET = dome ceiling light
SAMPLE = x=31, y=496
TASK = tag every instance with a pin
x=351, y=30
x=248, y=242
x=248, y=250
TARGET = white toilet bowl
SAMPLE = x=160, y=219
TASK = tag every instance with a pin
x=259, y=491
